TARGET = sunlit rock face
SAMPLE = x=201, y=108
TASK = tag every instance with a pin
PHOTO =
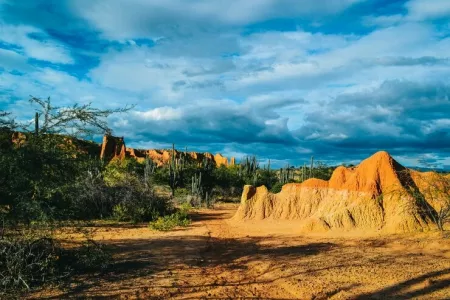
x=114, y=148
x=378, y=195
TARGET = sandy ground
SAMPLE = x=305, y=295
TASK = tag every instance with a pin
x=217, y=259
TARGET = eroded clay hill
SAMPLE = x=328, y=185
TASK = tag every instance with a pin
x=115, y=148
x=377, y=195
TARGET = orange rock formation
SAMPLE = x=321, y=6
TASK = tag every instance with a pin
x=378, y=195
x=114, y=148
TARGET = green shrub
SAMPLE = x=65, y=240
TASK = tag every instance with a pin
x=276, y=188
x=138, y=204
x=131, y=199
x=185, y=208
x=169, y=222
x=181, y=192
x=120, y=212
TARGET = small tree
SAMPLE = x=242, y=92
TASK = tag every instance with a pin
x=34, y=176
x=431, y=192
x=80, y=119
x=437, y=191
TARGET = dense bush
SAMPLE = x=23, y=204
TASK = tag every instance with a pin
x=35, y=176
x=137, y=204
x=25, y=263
x=32, y=259
x=116, y=192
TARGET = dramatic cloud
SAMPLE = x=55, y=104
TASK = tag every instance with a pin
x=280, y=79
x=400, y=116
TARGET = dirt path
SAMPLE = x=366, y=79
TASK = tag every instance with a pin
x=217, y=259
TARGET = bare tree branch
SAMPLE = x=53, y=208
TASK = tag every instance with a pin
x=6, y=121
x=75, y=120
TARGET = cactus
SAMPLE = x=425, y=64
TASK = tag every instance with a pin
x=249, y=167
x=149, y=169
x=36, y=124
x=175, y=170
x=255, y=178
x=207, y=199
x=198, y=191
x=285, y=175
x=311, y=168
x=207, y=164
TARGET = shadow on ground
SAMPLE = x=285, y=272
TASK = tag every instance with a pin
x=403, y=290
x=165, y=256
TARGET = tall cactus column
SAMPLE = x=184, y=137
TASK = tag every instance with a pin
x=174, y=171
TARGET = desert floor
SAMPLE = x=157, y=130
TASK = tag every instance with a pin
x=215, y=258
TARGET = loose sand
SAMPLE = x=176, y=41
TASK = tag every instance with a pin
x=216, y=258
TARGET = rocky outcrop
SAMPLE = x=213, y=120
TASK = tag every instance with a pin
x=114, y=148
x=378, y=195
x=69, y=143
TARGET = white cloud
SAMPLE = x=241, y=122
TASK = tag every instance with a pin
x=149, y=71
x=164, y=113
x=152, y=18
x=399, y=49
x=42, y=49
x=428, y=9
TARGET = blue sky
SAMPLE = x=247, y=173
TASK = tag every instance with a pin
x=280, y=79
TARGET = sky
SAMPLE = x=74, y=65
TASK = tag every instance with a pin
x=280, y=79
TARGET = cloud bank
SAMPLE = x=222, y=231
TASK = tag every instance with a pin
x=278, y=79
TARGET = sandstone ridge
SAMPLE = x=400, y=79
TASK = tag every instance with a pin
x=377, y=195
x=113, y=148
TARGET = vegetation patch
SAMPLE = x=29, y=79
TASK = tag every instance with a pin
x=29, y=261
x=169, y=222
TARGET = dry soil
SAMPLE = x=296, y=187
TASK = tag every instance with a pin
x=216, y=258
